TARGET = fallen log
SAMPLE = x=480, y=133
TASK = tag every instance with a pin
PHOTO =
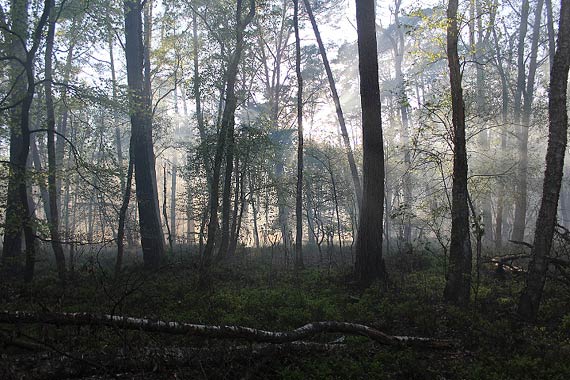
x=219, y=332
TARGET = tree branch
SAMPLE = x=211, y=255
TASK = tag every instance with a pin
x=219, y=332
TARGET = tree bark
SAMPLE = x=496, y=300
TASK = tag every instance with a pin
x=505, y=95
x=458, y=282
x=369, y=264
x=173, y=220
x=299, y=193
x=52, y=167
x=21, y=73
x=479, y=47
x=164, y=210
x=227, y=191
x=198, y=97
x=123, y=213
x=239, y=206
x=558, y=127
x=219, y=332
x=152, y=239
x=403, y=103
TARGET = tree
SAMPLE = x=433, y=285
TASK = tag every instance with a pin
x=53, y=217
x=152, y=240
x=299, y=194
x=458, y=283
x=19, y=215
x=525, y=85
x=369, y=264
x=226, y=131
x=557, y=140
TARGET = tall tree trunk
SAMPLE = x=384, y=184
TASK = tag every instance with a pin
x=118, y=140
x=236, y=211
x=21, y=73
x=254, y=210
x=37, y=161
x=123, y=214
x=64, y=118
x=478, y=48
x=299, y=193
x=369, y=263
x=403, y=103
x=336, y=100
x=173, y=227
x=227, y=124
x=458, y=282
x=164, y=212
x=52, y=167
x=198, y=98
x=337, y=212
x=152, y=240
x=551, y=34
x=227, y=191
x=274, y=89
x=505, y=95
x=522, y=124
x=557, y=140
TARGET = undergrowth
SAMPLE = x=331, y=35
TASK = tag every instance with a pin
x=494, y=344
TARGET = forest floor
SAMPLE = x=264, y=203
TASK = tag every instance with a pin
x=257, y=292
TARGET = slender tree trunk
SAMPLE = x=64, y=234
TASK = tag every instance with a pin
x=336, y=100
x=173, y=222
x=36, y=159
x=557, y=140
x=164, y=212
x=520, y=119
x=50, y=121
x=237, y=211
x=118, y=140
x=478, y=47
x=299, y=193
x=64, y=118
x=31, y=243
x=403, y=103
x=458, y=282
x=254, y=211
x=505, y=95
x=337, y=212
x=551, y=34
x=369, y=263
x=227, y=191
x=123, y=214
x=152, y=240
x=198, y=98
x=227, y=124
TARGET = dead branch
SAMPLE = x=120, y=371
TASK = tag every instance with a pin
x=219, y=332
x=504, y=259
x=528, y=245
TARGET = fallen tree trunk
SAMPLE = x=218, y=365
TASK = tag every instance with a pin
x=219, y=332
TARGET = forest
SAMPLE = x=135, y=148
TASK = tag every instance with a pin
x=284, y=189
